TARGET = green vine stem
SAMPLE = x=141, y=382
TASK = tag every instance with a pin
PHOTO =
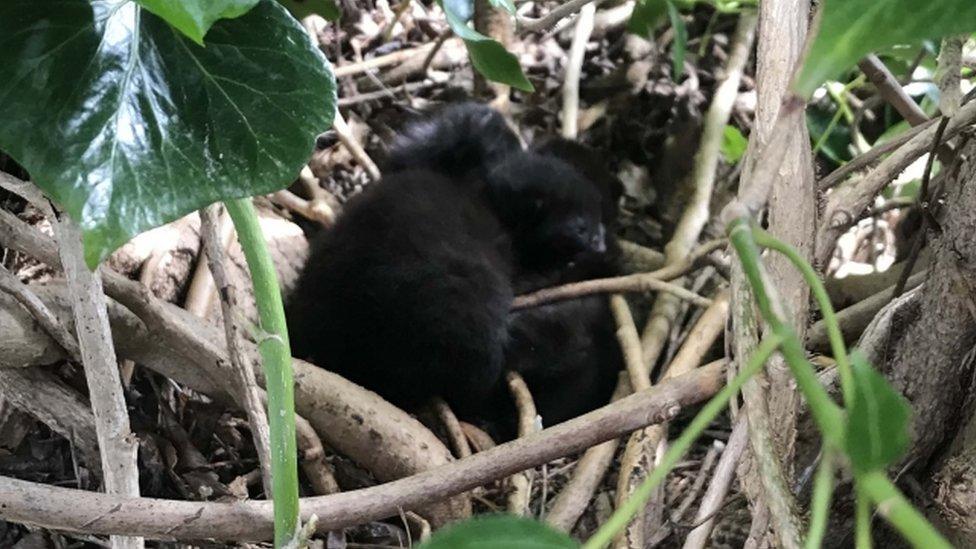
x=622, y=517
x=276, y=358
x=899, y=512
x=826, y=307
x=823, y=489
x=829, y=416
x=862, y=517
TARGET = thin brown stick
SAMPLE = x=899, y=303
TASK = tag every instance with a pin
x=869, y=158
x=719, y=487
x=638, y=282
x=248, y=397
x=200, y=296
x=849, y=201
x=313, y=210
x=521, y=483
x=527, y=24
x=116, y=444
x=80, y=511
x=574, y=65
x=890, y=89
x=381, y=61
x=50, y=323
x=576, y=494
x=344, y=132
x=455, y=433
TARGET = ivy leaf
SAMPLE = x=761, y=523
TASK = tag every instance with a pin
x=500, y=532
x=679, y=47
x=877, y=425
x=734, y=144
x=128, y=124
x=303, y=8
x=489, y=58
x=647, y=16
x=194, y=17
x=463, y=10
x=849, y=29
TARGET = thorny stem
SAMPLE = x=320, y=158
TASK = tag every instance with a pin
x=276, y=358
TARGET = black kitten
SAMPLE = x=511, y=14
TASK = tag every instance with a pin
x=408, y=295
x=456, y=140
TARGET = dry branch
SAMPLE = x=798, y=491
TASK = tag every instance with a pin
x=79, y=511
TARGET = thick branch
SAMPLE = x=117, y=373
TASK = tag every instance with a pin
x=79, y=511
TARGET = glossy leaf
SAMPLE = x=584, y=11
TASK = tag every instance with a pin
x=733, y=144
x=877, y=425
x=462, y=10
x=194, y=17
x=849, y=29
x=488, y=57
x=647, y=16
x=303, y=8
x=500, y=532
x=680, y=45
x=128, y=125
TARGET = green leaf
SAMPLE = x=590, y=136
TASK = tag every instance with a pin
x=849, y=29
x=507, y=5
x=877, y=425
x=128, y=124
x=500, y=532
x=489, y=58
x=647, y=16
x=733, y=144
x=303, y=8
x=680, y=45
x=194, y=17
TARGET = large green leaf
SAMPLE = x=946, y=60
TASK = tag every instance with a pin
x=849, y=29
x=127, y=124
x=194, y=17
x=647, y=16
x=877, y=425
x=489, y=57
x=500, y=532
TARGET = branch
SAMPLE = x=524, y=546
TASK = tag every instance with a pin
x=528, y=24
x=574, y=66
x=80, y=511
x=890, y=89
x=116, y=443
x=248, y=396
x=848, y=202
x=638, y=282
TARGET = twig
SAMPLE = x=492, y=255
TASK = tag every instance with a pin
x=696, y=212
x=429, y=59
x=116, y=443
x=638, y=282
x=869, y=158
x=247, y=387
x=80, y=511
x=635, y=258
x=528, y=24
x=847, y=202
x=344, y=132
x=576, y=494
x=313, y=210
x=721, y=481
x=47, y=399
x=381, y=61
x=13, y=286
x=454, y=430
x=634, y=462
x=706, y=467
x=200, y=296
x=574, y=66
x=521, y=483
x=890, y=89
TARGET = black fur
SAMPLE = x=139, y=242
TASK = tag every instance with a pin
x=457, y=140
x=408, y=295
